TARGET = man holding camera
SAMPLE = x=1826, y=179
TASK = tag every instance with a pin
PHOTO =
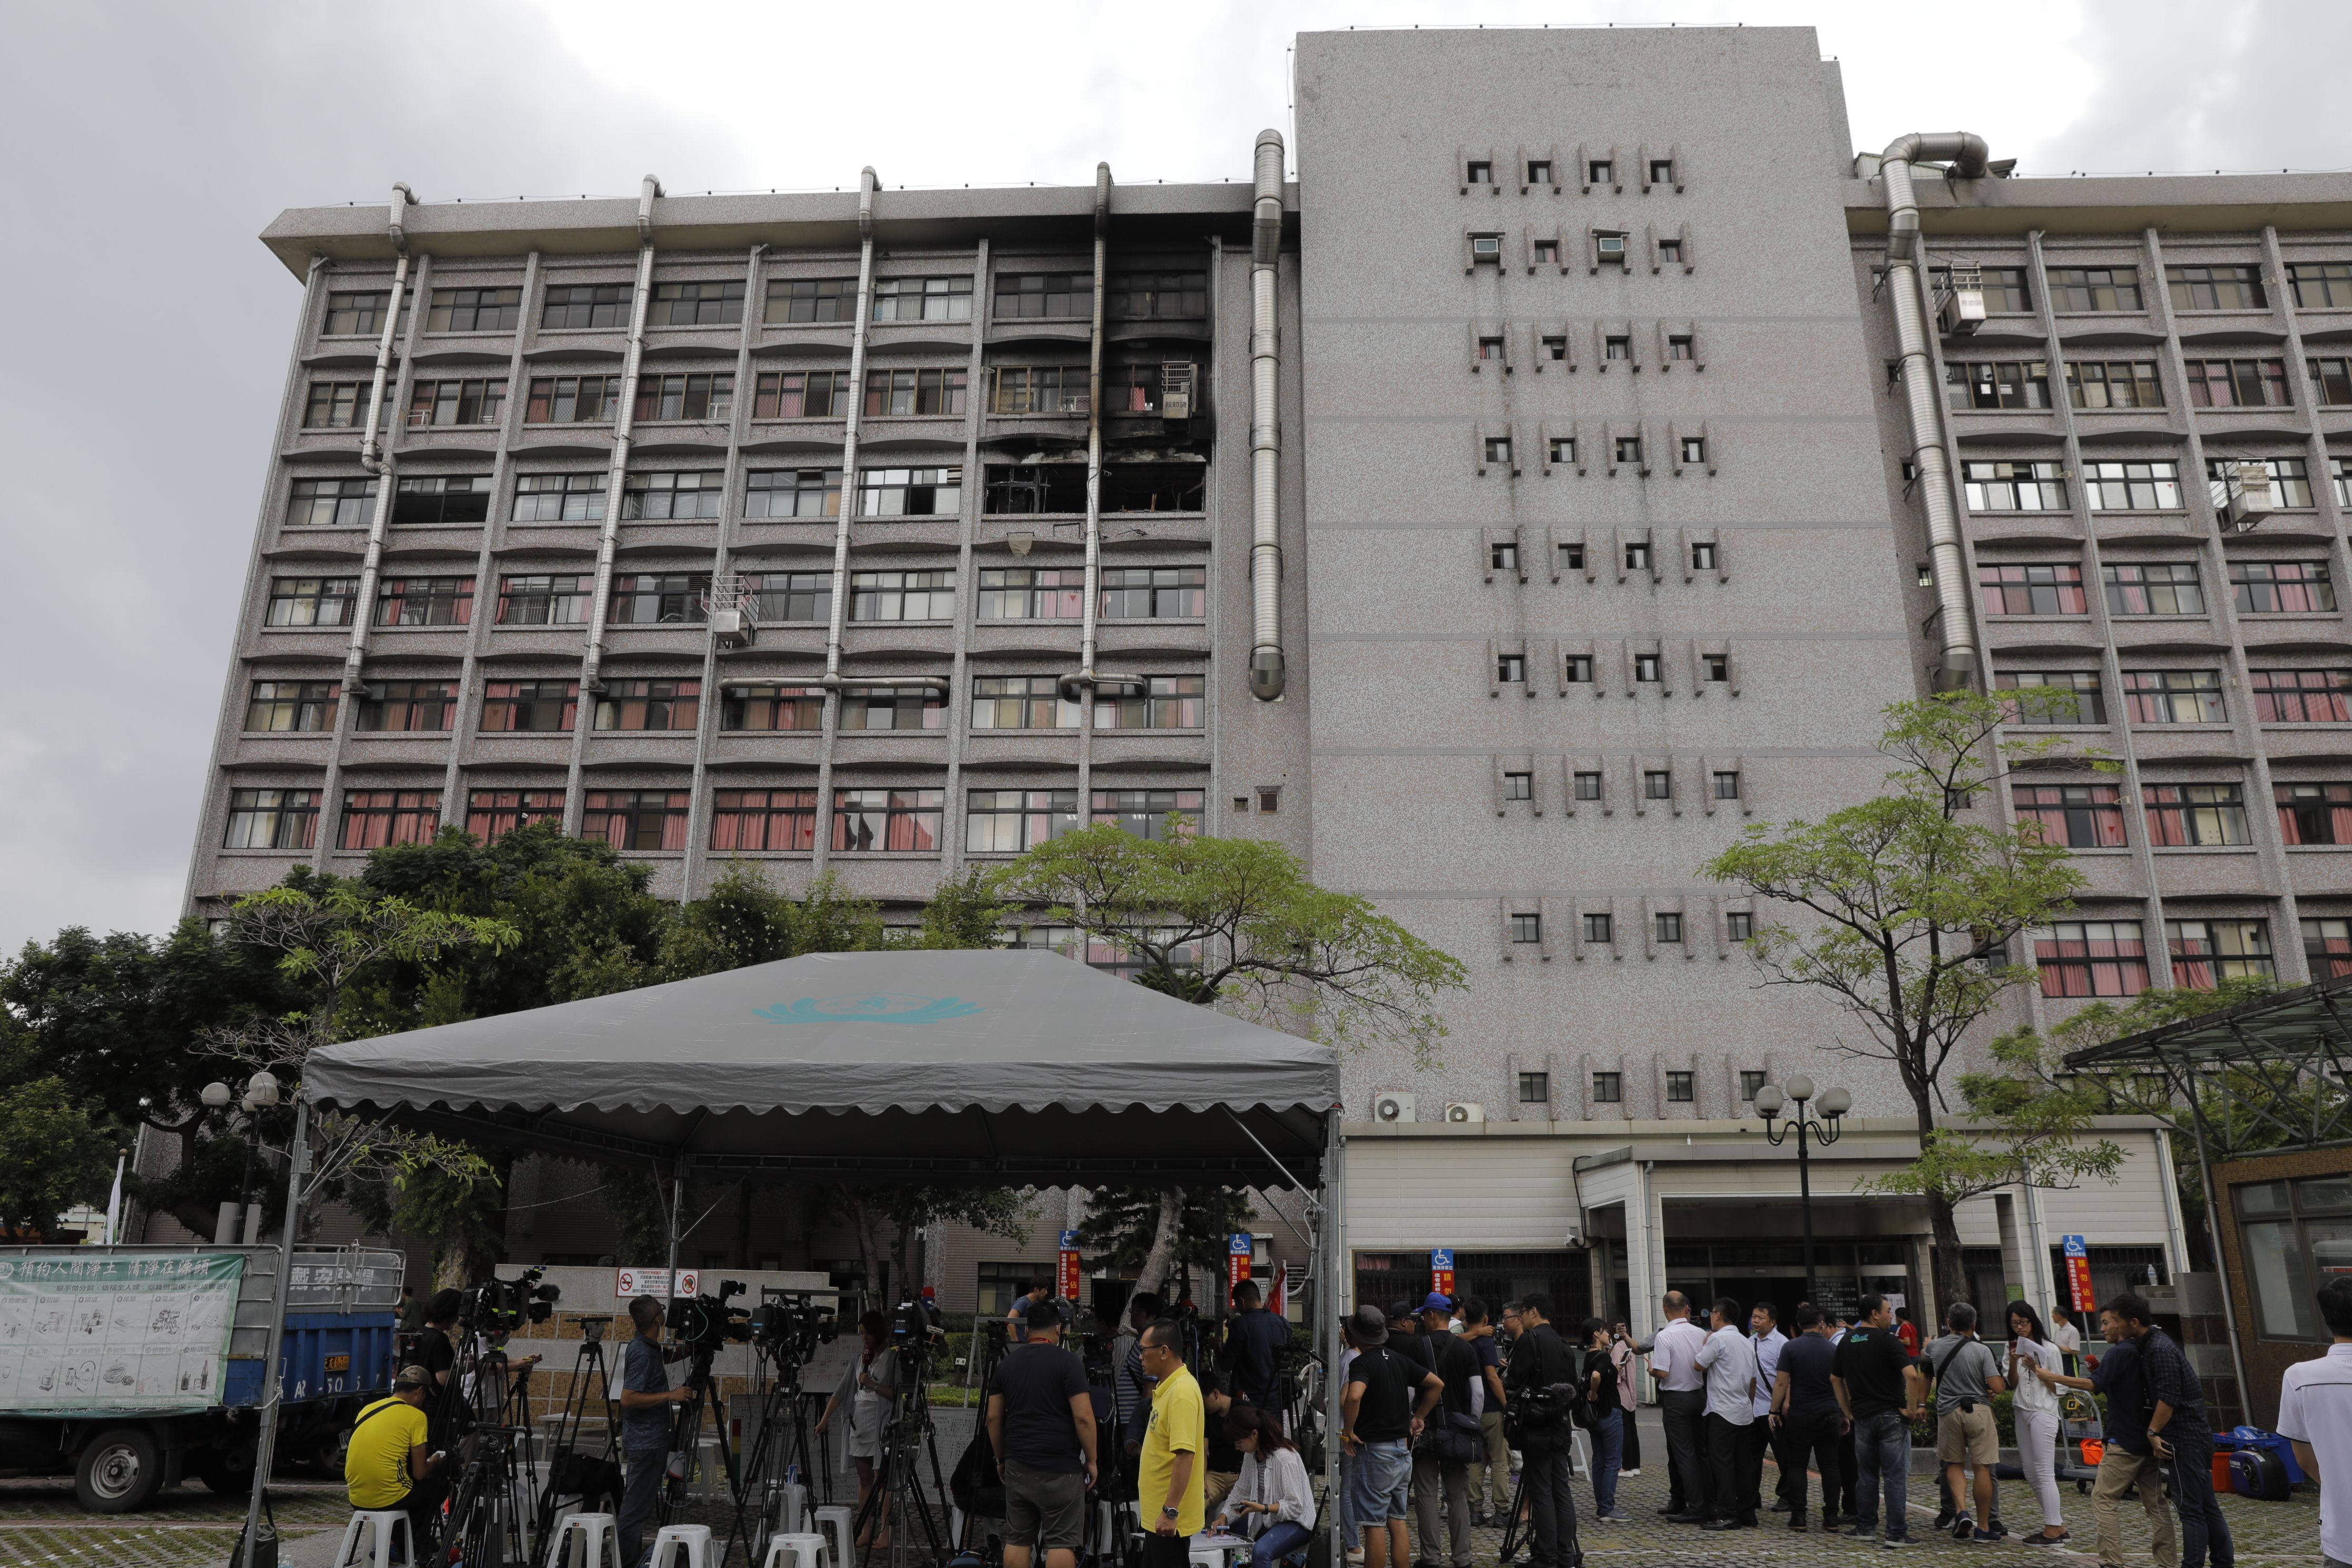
x=647, y=1399
x=1041, y=1426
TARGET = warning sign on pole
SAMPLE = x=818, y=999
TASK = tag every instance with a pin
x=1440, y=1270
x=1065, y=1277
x=2078, y=1273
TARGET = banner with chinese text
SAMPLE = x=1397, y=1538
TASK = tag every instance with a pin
x=145, y=1332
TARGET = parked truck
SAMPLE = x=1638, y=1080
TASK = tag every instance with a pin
x=131, y=1367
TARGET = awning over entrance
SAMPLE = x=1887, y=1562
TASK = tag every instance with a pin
x=1023, y=1067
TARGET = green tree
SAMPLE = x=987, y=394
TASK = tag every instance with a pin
x=1909, y=905
x=1128, y=1223
x=52, y=1155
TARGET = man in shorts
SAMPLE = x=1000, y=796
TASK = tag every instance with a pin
x=1966, y=1375
x=1041, y=1426
x=1387, y=1397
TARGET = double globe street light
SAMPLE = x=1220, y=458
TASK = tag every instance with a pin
x=261, y=1092
x=1813, y=1122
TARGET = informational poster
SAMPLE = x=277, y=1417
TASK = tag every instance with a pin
x=1065, y=1277
x=2078, y=1273
x=116, y=1333
x=1440, y=1270
x=630, y=1283
x=1241, y=1259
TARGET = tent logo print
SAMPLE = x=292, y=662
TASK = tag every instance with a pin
x=872, y=1007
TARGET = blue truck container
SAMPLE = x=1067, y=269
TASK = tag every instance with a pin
x=337, y=1356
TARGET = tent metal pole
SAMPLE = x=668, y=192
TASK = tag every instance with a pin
x=677, y=1220
x=1327, y=1307
x=273, y=1382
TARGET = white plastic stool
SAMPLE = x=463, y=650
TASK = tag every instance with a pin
x=380, y=1526
x=791, y=1508
x=693, y=1540
x=838, y=1525
x=795, y=1551
x=595, y=1536
x=1580, y=1452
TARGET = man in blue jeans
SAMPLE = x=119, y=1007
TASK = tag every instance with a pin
x=1876, y=1379
x=2179, y=1434
x=1381, y=1417
x=647, y=1399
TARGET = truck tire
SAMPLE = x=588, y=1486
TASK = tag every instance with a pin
x=220, y=1475
x=119, y=1470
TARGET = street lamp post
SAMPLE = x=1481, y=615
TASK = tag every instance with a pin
x=1823, y=1128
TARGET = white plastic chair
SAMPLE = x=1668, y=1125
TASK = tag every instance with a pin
x=795, y=1551
x=380, y=1526
x=838, y=1524
x=692, y=1539
x=791, y=1508
x=595, y=1537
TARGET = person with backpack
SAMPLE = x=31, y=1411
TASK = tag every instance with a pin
x=1966, y=1374
x=1540, y=1365
x=1443, y=1455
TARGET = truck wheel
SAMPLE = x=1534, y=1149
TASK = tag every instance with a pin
x=221, y=1476
x=120, y=1469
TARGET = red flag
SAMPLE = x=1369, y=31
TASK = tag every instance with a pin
x=1278, y=1303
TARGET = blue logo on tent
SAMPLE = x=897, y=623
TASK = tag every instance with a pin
x=872, y=1007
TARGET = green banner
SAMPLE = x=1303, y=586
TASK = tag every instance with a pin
x=141, y=1332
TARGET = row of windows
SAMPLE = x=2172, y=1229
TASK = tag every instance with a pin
x=554, y=400
x=1599, y=929
x=2003, y=485
x=2157, y=588
x=1656, y=784
x=1176, y=294
x=1638, y=555
x=2109, y=958
x=1577, y=669
x=1560, y=451
x=2181, y=697
x=1545, y=171
x=2312, y=285
x=550, y=706
x=672, y=495
x=2183, y=815
x=1610, y=247
x=1976, y=386
x=743, y=821
x=682, y=598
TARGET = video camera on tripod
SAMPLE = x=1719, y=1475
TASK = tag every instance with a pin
x=788, y=1325
x=498, y=1306
x=913, y=1328
x=699, y=1325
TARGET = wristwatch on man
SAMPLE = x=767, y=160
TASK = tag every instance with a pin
x=1168, y=1512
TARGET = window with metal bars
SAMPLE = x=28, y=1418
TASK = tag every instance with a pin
x=545, y=599
x=407, y=706
x=770, y=706
x=649, y=704
x=780, y=597
x=659, y=598
x=544, y=707
x=425, y=601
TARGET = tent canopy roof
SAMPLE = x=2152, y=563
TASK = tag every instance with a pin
x=1014, y=1066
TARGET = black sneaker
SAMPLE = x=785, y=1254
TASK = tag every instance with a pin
x=1963, y=1527
x=1943, y=1517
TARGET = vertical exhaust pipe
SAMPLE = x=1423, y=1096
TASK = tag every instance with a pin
x=371, y=459
x=1966, y=154
x=1266, y=674
x=616, y=475
x=867, y=184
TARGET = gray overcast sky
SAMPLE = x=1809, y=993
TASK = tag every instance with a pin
x=149, y=144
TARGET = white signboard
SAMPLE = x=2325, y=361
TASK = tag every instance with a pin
x=628, y=1283
x=116, y=1333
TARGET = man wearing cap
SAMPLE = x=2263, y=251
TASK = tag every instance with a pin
x=1434, y=1474
x=1387, y=1397
x=386, y=1457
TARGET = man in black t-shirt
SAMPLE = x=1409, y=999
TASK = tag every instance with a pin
x=1809, y=1424
x=1882, y=1390
x=1453, y=1430
x=1380, y=1415
x=1539, y=1361
x=1041, y=1425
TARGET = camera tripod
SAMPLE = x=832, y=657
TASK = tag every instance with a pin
x=783, y=1442
x=685, y=1433
x=490, y=1502
x=561, y=1451
x=897, y=1500
x=1514, y=1536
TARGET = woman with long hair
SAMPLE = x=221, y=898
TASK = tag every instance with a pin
x=869, y=1387
x=2036, y=1409
x=1272, y=1503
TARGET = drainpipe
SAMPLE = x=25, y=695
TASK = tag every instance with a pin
x=1966, y=153
x=591, y=674
x=867, y=185
x=363, y=608
x=1087, y=681
x=1266, y=674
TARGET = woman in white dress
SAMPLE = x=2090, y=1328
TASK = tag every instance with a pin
x=870, y=1389
x=2035, y=1407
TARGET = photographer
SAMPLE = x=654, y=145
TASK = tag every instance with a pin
x=647, y=1399
x=385, y=1464
x=1541, y=1361
x=1041, y=1426
x=1255, y=1342
x=870, y=1388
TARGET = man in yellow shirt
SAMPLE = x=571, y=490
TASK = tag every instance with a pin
x=386, y=1457
x=1170, y=1485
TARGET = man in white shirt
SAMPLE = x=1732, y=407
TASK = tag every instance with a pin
x=1729, y=1359
x=1682, y=1406
x=2316, y=1411
x=2066, y=1338
x=1764, y=1326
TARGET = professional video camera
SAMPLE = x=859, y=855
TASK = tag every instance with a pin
x=498, y=1306
x=789, y=1325
x=912, y=1328
x=698, y=1325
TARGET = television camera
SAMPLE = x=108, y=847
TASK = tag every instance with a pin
x=788, y=1325
x=495, y=1307
x=699, y=1325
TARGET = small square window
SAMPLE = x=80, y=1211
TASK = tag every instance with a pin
x=1957, y=799
x=1577, y=667
x=1518, y=786
x=1547, y=252
x=1658, y=785
x=1694, y=450
x=1588, y=787
x=1527, y=928
x=1926, y=575
x=1637, y=555
x=1480, y=172
x=1487, y=247
x=1269, y=801
x=1681, y=346
x=1670, y=250
x=1241, y=805
x=1727, y=786
x=1749, y=1082
x=1563, y=455
x=1718, y=666
x=1610, y=246
x=1629, y=448
x=1618, y=347
x=1539, y=171
x=1555, y=348
x=1490, y=348
x=1662, y=171
x=1670, y=926
x=1571, y=556
x=1739, y=925
x=1647, y=666
x=1600, y=172
x=1504, y=556
x=1535, y=1089
x=1680, y=1088
x=1702, y=557
x=1607, y=1087
x=1498, y=448
x=1511, y=669
x=1596, y=925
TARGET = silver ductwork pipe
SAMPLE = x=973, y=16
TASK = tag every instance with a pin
x=1267, y=673
x=1082, y=684
x=616, y=475
x=371, y=459
x=867, y=185
x=1906, y=287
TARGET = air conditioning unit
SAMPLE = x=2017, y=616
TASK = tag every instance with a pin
x=732, y=628
x=1393, y=1107
x=1465, y=1111
x=1176, y=389
x=2250, y=500
x=1962, y=312
x=1610, y=247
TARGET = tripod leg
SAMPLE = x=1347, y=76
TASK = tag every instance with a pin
x=1511, y=1532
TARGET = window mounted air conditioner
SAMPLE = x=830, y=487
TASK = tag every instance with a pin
x=2250, y=500
x=1393, y=1107
x=1960, y=307
x=1610, y=247
x=1176, y=390
x=1465, y=1111
x=732, y=628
